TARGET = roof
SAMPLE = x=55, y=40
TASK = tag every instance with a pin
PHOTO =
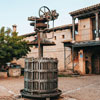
x=83, y=44
x=86, y=10
x=29, y=34
x=87, y=44
x=44, y=42
x=63, y=27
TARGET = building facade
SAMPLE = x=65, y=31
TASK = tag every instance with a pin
x=77, y=45
x=85, y=45
x=57, y=35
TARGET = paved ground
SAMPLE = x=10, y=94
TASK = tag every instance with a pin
x=74, y=88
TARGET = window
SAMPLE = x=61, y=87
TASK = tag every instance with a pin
x=63, y=36
x=76, y=32
x=36, y=46
x=54, y=37
x=35, y=38
x=84, y=26
x=94, y=32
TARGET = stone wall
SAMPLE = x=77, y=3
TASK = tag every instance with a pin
x=56, y=51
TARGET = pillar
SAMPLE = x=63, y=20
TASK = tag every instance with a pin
x=81, y=62
x=40, y=46
x=73, y=29
x=73, y=58
x=97, y=26
x=64, y=57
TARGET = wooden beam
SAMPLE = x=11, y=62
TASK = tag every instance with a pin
x=85, y=14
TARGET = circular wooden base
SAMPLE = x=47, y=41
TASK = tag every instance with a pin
x=41, y=96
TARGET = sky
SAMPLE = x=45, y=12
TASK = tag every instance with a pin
x=18, y=11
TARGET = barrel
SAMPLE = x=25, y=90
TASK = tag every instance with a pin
x=40, y=75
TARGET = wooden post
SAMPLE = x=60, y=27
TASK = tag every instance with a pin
x=40, y=46
x=97, y=25
x=73, y=57
x=73, y=29
x=64, y=58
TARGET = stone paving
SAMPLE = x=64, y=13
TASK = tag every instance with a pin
x=73, y=88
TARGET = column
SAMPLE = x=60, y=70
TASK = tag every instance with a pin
x=73, y=58
x=64, y=57
x=40, y=46
x=73, y=29
x=81, y=62
x=97, y=25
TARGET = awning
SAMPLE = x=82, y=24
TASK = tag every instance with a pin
x=82, y=44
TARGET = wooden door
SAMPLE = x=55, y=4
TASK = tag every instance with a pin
x=95, y=64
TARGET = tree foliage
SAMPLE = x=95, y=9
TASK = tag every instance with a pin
x=11, y=46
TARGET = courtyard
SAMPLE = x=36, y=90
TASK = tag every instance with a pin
x=73, y=88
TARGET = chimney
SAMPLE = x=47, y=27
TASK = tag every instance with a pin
x=14, y=27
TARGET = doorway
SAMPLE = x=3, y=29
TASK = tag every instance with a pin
x=95, y=64
x=87, y=67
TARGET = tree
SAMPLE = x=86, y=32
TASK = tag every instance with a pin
x=11, y=46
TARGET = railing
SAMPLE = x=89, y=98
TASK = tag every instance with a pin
x=68, y=59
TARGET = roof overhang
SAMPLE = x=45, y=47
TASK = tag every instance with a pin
x=87, y=44
x=86, y=12
x=82, y=44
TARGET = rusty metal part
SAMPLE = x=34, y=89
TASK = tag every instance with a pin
x=37, y=19
x=54, y=14
x=32, y=18
x=44, y=12
x=32, y=24
x=41, y=25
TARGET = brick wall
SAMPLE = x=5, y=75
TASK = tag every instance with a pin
x=84, y=30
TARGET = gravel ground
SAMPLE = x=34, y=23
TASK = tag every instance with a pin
x=73, y=88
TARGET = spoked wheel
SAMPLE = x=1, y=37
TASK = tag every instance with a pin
x=44, y=12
